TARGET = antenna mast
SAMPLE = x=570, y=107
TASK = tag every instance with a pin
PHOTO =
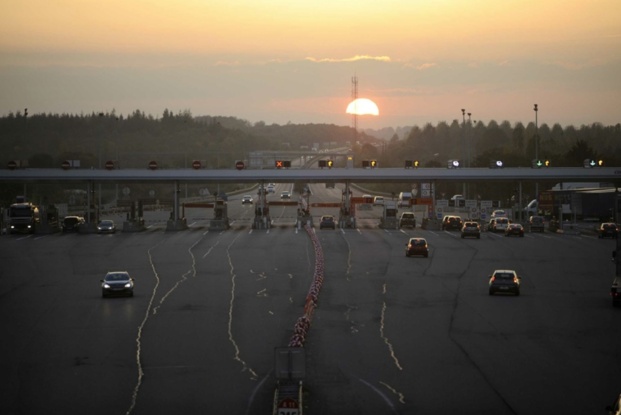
x=354, y=96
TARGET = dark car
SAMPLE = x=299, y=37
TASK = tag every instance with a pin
x=514, y=229
x=417, y=246
x=472, y=229
x=504, y=281
x=608, y=230
x=615, y=291
x=536, y=224
x=407, y=219
x=106, y=226
x=327, y=221
x=452, y=223
x=72, y=223
x=117, y=283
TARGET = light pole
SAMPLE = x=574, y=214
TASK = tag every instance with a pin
x=463, y=137
x=536, y=108
x=536, y=133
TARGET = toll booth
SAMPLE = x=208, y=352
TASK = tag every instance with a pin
x=262, y=218
x=220, y=220
x=290, y=371
x=389, y=218
x=347, y=211
x=304, y=216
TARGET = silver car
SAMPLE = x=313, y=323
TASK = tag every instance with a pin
x=117, y=283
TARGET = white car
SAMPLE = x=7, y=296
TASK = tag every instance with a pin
x=378, y=201
x=499, y=213
x=247, y=199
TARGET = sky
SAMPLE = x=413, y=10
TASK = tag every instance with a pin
x=277, y=61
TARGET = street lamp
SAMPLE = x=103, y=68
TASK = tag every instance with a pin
x=536, y=133
x=536, y=147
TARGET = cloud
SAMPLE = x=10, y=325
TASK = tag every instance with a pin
x=351, y=59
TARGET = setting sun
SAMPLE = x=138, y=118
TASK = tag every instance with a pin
x=362, y=106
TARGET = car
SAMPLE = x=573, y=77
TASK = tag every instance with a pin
x=500, y=224
x=327, y=221
x=271, y=188
x=615, y=291
x=417, y=246
x=72, y=223
x=247, y=199
x=536, y=224
x=285, y=195
x=117, y=283
x=378, y=201
x=498, y=213
x=451, y=222
x=106, y=226
x=514, y=229
x=471, y=228
x=504, y=281
x=407, y=219
x=608, y=230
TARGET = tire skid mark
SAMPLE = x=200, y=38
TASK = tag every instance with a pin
x=233, y=276
x=394, y=391
x=140, y=328
x=184, y=277
x=153, y=310
x=383, y=336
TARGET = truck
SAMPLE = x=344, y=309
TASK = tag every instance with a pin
x=23, y=217
x=587, y=204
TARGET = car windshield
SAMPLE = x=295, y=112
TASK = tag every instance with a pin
x=117, y=277
x=503, y=276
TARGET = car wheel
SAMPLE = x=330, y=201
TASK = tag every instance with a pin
x=491, y=292
x=407, y=255
x=478, y=236
x=517, y=292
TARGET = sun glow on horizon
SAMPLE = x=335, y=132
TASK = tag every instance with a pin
x=362, y=106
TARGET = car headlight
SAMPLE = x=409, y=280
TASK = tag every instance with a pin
x=128, y=285
x=106, y=286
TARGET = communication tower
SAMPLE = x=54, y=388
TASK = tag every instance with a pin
x=354, y=96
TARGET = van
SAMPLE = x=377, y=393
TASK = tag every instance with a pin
x=405, y=198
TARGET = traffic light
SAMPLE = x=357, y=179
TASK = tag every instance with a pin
x=322, y=163
x=373, y=163
x=282, y=164
x=547, y=163
x=416, y=164
x=600, y=163
x=453, y=164
x=496, y=164
x=330, y=163
x=589, y=163
x=536, y=164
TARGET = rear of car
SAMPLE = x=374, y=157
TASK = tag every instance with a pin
x=501, y=224
x=514, y=229
x=471, y=229
x=417, y=246
x=407, y=220
x=536, y=224
x=504, y=281
x=608, y=230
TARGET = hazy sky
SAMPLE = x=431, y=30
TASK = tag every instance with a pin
x=293, y=61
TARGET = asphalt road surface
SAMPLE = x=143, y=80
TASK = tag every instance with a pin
x=390, y=335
